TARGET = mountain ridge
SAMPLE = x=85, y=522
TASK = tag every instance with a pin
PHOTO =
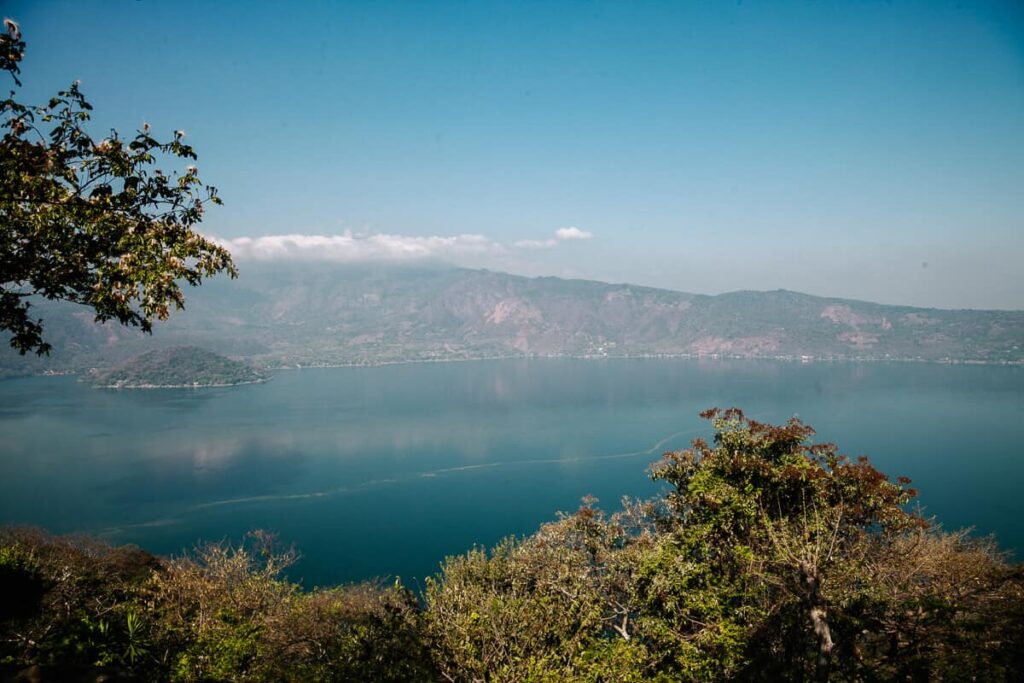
x=353, y=315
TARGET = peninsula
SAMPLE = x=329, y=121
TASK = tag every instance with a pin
x=176, y=368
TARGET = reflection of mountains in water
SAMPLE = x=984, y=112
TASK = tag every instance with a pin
x=655, y=450
x=343, y=314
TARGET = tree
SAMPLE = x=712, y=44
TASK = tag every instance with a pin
x=784, y=526
x=93, y=221
x=769, y=558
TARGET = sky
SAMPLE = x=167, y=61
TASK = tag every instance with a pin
x=868, y=150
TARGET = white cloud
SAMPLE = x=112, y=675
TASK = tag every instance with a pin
x=561, y=235
x=535, y=244
x=572, y=233
x=351, y=247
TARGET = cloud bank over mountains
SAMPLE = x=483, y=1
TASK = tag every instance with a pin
x=571, y=233
x=353, y=247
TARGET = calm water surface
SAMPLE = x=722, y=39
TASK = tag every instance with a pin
x=384, y=471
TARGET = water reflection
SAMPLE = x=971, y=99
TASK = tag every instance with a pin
x=201, y=471
x=378, y=470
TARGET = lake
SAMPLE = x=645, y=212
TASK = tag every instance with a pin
x=384, y=471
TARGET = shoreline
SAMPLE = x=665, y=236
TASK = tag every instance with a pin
x=179, y=386
x=807, y=360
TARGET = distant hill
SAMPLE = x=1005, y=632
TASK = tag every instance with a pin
x=181, y=366
x=322, y=314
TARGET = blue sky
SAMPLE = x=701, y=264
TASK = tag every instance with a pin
x=861, y=149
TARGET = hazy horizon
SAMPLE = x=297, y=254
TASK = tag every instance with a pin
x=268, y=266
x=870, y=151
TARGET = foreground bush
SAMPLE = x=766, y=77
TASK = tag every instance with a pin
x=769, y=558
x=74, y=609
x=69, y=604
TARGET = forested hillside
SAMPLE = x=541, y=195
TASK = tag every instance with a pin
x=339, y=314
x=179, y=366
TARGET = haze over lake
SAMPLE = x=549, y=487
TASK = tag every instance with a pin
x=385, y=470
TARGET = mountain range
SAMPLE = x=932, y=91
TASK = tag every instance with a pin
x=321, y=314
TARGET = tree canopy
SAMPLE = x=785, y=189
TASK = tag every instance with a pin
x=93, y=221
x=769, y=558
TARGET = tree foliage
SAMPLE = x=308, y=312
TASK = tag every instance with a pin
x=93, y=221
x=221, y=613
x=769, y=558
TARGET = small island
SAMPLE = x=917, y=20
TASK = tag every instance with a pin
x=180, y=367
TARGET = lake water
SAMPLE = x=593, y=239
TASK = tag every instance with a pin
x=384, y=471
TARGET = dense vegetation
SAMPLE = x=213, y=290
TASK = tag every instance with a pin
x=768, y=558
x=177, y=367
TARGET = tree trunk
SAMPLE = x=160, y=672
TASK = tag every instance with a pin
x=823, y=663
x=818, y=615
